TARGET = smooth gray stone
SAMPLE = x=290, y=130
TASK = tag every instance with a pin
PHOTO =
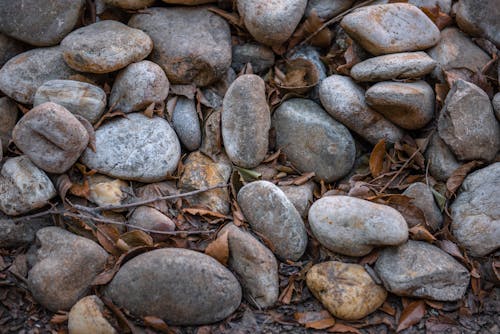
x=424, y=200
x=135, y=148
x=496, y=105
x=301, y=196
x=479, y=18
x=421, y=270
x=186, y=123
x=467, y=123
x=259, y=56
x=80, y=98
x=130, y=4
x=475, y=212
x=40, y=22
x=444, y=5
x=312, y=140
x=20, y=233
x=180, y=286
x=270, y=213
x=326, y=9
x=405, y=65
x=66, y=265
x=442, y=162
x=22, y=75
x=9, y=47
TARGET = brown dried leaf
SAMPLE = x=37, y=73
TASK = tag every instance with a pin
x=59, y=318
x=108, y=235
x=204, y=212
x=301, y=75
x=150, y=110
x=457, y=177
x=377, y=158
x=219, y=249
x=411, y=315
x=303, y=178
x=109, y=115
x=315, y=320
x=342, y=328
x=388, y=308
x=156, y=323
x=232, y=18
x=63, y=185
x=137, y=238
x=286, y=295
x=420, y=233
x=451, y=248
x=310, y=25
x=81, y=190
x=440, y=19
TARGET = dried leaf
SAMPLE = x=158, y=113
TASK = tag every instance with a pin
x=219, y=249
x=150, y=110
x=411, y=315
x=109, y=115
x=301, y=76
x=63, y=185
x=312, y=23
x=286, y=295
x=59, y=318
x=108, y=235
x=315, y=320
x=451, y=248
x=81, y=190
x=156, y=323
x=377, y=158
x=388, y=308
x=248, y=174
x=439, y=198
x=232, y=18
x=303, y=178
x=342, y=328
x=272, y=157
x=204, y=212
x=440, y=19
x=137, y=238
x=457, y=177
x=420, y=233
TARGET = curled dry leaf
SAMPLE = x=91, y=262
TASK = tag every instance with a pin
x=342, y=328
x=150, y=110
x=108, y=235
x=219, y=249
x=440, y=19
x=233, y=18
x=301, y=76
x=377, y=158
x=421, y=233
x=136, y=238
x=156, y=323
x=451, y=248
x=59, y=318
x=109, y=115
x=411, y=315
x=63, y=184
x=204, y=212
x=457, y=177
x=81, y=190
x=315, y=320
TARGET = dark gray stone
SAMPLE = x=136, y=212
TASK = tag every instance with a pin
x=8, y=120
x=260, y=57
x=479, y=18
x=186, y=123
x=424, y=200
x=442, y=162
x=9, y=47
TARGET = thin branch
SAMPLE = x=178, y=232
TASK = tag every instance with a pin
x=144, y=202
x=400, y=170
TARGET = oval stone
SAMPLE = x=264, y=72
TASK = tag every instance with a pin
x=312, y=140
x=87, y=316
x=353, y=226
x=409, y=105
x=8, y=120
x=345, y=289
x=137, y=86
x=442, y=162
x=21, y=76
x=135, y=148
x=51, y=136
x=180, y=286
x=186, y=123
x=246, y=121
x=80, y=98
x=271, y=22
x=405, y=65
x=421, y=270
x=105, y=46
x=345, y=101
x=271, y=213
x=129, y=4
x=192, y=45
x=391, y=28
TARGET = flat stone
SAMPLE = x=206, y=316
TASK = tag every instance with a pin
x=444, y=5
x=80, y=98
x=186, y=123
x=405, y=65
x=245, y=121
x=391, y=28
x=21, y=76
x=51, y=136
x=180, y=286
x=346, y=290
x=300, y=196
x=312, y=140
x=200, y=171
x=255, y=265
x=86, y=316
x=40, y=23
x=192, y=45
x=421, y=270
x=479, y=19
x=344, y=100
x=271, y=22
x=457, y=51
x=442, y=162
x=20, y=233
x=23, y=186
x=105, y=46
x=270, y=213
x=65, y=268
x=424, y=200
x=409, y=105
x=8, y=120
x=129, y=4
x=135, y=148
x=326, y=9
x=9, y=47
x=496, y=105
x=475, y=212
x=467, y=123
x=188, y=2
x=353, y=226
x=259, y=56
x=149, y=218
x=137, y=86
